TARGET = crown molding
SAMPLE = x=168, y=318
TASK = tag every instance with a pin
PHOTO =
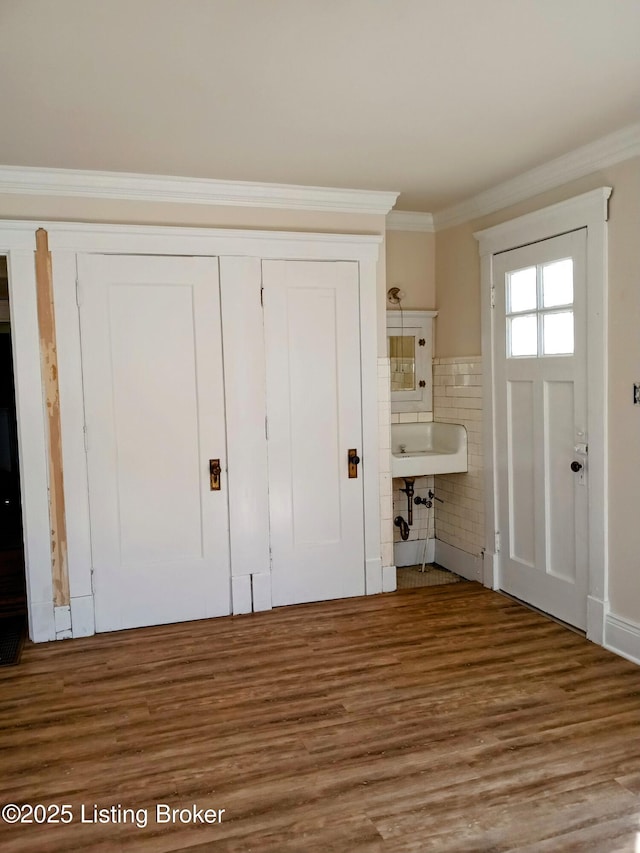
x=606, y=151
x=30, y=180
x=407, y=220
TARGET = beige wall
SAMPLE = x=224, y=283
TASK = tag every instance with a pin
x=457, y=293
x=411, y=267
x=458, y=325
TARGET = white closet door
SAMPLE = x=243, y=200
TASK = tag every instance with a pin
x=312, y=340
x=154, y=409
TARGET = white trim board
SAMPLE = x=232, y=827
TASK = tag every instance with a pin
x=607, y=151
x=622, y=636
x=458, y=561
x=546, y=222
x=17, y=242
x=167, y=240
x=587, y=210
x=408, y=220
x=410, y=552
x=30, y=180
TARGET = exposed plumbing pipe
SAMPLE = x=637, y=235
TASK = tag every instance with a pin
x=409, y=483
x=404, y=527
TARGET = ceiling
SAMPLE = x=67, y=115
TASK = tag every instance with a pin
x=437, y=99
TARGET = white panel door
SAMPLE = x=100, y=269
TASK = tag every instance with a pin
x=154, y=409
x=312, y=340
x=541, y=422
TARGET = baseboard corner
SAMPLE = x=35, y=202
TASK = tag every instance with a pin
x=622, y=636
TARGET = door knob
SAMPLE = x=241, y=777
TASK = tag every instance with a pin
x=354, y=461
x=576, y=466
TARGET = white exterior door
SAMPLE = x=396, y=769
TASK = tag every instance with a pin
x=540, y=358
x=314, y=410
x=154, y=410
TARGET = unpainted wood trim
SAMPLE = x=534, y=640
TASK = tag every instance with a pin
x=49, y=364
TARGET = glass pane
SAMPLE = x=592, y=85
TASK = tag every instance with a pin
x=523, y=335
x=557, y=333
x=557, y=283
x=522, y=290
x=403, y=362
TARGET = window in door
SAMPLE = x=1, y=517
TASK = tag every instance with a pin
x=539, y=303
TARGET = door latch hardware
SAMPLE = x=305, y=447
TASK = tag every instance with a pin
x=354, y=461
x=422, y=383
x=214, y=475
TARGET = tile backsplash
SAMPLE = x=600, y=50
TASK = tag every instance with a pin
x=412, y=417
x=457, y=398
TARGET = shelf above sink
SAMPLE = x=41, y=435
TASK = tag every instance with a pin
x=422, y=449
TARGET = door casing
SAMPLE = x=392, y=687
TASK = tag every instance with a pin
x=589, y=211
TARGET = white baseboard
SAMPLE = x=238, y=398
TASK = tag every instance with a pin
x=42, y=626
x=241, y=598
x=490, y=567
x=62, y=617
x=596, y=618
x=409, y=553
x=389, y=579
x=373, y=573
x=467, y=565
x=261, y=589
x=83, y=623
x=622, y=636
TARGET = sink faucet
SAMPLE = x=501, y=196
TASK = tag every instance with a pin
x=403, y=448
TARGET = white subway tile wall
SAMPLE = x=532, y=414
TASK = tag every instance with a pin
x=384, y=432
x=457, y=399
x=412, y=418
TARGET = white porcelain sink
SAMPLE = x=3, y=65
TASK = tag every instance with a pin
x=431, y=448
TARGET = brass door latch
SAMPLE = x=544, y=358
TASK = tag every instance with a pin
x=214, y=475
x=354, y=461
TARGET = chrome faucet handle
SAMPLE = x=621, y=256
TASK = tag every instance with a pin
x=403, y=448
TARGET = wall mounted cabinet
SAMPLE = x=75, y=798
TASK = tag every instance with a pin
x=410, y=351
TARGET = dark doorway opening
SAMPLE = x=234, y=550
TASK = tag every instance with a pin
x=13, y=598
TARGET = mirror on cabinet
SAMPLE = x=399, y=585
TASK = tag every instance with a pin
x=402, y=357
x=410, y=351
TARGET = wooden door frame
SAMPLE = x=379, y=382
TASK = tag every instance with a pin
x=589, y=211
x=66, y=240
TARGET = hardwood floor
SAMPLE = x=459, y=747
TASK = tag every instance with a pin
x=439, y=719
